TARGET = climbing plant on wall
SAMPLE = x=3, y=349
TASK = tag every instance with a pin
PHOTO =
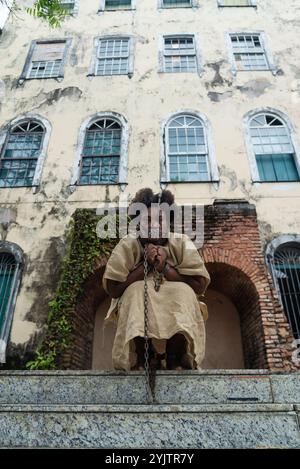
x=84, y=250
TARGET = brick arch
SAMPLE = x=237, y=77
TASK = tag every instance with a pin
x=265, y=331
x=237, y=285
x=79, y=353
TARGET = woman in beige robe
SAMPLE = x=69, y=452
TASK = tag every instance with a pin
x=174, y=309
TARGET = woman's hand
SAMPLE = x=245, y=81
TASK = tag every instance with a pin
x=151, y=253
x=160, y=259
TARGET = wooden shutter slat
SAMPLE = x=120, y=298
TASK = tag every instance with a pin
x=48, y=51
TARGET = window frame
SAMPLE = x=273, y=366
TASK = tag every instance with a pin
x=4, y=13
x=102, y=8
x=16, y=251
x=268, y=55
x=198, y=54
x=278, y=242
x=4, y=135
x=94, y=59
x=75, y=9
x=26, y=69
x=213, y=170
x=193, y=4
x=252, y=4
x=255, y=178
x=123, y=164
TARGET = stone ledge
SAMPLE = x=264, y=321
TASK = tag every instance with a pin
x=130, y=389
x=259, y=372
x=151, y=408
x=149, y=430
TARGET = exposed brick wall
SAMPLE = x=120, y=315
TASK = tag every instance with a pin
x=79, y=354
x=234, y=257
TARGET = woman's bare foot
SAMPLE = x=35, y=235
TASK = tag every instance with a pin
x=137, y=367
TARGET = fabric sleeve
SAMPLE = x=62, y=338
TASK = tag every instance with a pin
x=121, y=261
x=190, y=261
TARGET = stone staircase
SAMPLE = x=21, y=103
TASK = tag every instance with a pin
x=193, y=409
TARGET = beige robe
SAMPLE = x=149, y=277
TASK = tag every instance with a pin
x=175, y=308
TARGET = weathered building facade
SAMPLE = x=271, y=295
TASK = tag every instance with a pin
x=199, y=97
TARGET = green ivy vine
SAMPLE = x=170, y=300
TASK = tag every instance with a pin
x=83, y=251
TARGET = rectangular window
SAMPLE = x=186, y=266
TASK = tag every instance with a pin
x=237, y=3
x=46, y=60
x=113, y=56
x=180, y=54
x=68, y=5
x=249, y=52
x=176, y=3
x=101, y=157
x=117, y=4
x=18, y=165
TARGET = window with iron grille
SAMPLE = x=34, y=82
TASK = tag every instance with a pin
x=11, y=259
x=237, y=3
x=101, y=153
x=179, y=54
x=7, y=274
x=249, y=52
x=117, y=4
x=186, y=149
x=45, y=59
x=176, y=3
x=20, y=154
x=69, y=6
x=273, y=149
x=285, y=269
x=113, y=56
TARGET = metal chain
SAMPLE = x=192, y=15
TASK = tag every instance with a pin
x=149, y=395
x=158, y=278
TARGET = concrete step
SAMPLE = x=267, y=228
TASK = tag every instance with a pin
x=195, y=409
x=187, y=387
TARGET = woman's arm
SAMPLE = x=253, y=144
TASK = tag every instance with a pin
x=197, y=283
x=116, y=289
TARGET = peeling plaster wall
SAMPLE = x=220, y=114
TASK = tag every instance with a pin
x=39, y=220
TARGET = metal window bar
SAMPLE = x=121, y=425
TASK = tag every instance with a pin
x=8, y=277
x=285, y=269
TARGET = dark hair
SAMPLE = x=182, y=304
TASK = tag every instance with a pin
x=147, y=197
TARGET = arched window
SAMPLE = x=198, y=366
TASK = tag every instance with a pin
x=101, y=152
x=273, y=148
x=10, y=270
x=20, y=154
x=284, y=262
x=187, y=149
